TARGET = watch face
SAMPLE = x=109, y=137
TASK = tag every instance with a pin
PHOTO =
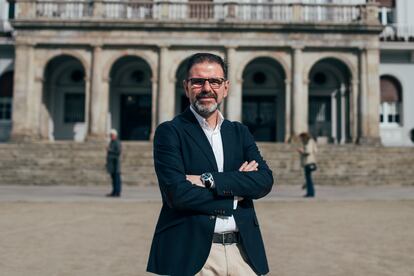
x=207, y=179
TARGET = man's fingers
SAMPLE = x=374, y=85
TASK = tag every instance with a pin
x=243, y=166
x=251, y=166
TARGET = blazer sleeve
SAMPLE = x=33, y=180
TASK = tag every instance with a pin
x=253, y=185
x=179, y=193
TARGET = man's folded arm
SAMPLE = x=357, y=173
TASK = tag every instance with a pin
x=252, y=184
x=179, y=193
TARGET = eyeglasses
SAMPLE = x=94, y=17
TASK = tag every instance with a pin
x=215, y=83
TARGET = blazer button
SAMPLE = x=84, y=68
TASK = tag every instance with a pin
x=212, y=217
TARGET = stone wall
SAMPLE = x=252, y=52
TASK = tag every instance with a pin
x=70, y=163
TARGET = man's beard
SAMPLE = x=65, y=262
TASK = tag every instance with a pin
x=205, y=110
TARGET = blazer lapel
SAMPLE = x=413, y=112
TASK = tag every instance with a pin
x=193, y=128
x=228, y=137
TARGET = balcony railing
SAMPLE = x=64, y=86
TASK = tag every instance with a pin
x=398, y=32
x=5, y=26
x=196, y=11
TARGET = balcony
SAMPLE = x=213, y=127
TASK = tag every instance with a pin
x=203, y=12
x=398, y=33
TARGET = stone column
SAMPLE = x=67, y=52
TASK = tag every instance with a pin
x=354, y=110
x=342, y=91
x=154, y=98
x=333, y=116
x=288, y=110
x=370, y=97
x=23, y=124
x=300, y=94
x=98, y=99
x=37, y=108
x=234, y=98
x=98, y=9
x=166, y=89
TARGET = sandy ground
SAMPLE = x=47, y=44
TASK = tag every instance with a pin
x=302, y=237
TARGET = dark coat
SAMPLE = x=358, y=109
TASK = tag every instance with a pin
x=183, y=235
x=113, y=157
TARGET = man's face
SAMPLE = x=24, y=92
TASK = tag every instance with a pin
x=206, y=95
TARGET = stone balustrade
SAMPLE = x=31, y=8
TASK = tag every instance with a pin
x=398, y=32
x=197, y=11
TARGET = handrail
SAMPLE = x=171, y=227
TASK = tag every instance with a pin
x=195, y=11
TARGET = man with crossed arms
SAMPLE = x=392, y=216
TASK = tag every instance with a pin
x=209, y=171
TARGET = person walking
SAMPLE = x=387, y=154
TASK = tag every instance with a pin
x=113, y=163
x=308, y=161
x=209, y=171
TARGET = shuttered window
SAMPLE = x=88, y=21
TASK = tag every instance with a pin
x=386, y=3
x=391, y=101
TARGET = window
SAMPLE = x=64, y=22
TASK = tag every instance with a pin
x=74, y=108
x=5, y=108
x=6, y=96
x=391, y=101
x=386, y=15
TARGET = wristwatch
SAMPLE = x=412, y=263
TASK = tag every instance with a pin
x=208, y=180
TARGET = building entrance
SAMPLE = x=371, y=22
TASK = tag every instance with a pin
x=135, y=117
x=130, y=98
x=320, y=116
x=263, y=108
x=259, y=115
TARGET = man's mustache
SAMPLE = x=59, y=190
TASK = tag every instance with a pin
x=206, y=95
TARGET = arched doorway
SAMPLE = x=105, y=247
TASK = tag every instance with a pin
x=181, y=100
x=263, y=109
x=130, y=98
x=329, y=101
x=391, y=101
x=64, y=97
x=6, y=104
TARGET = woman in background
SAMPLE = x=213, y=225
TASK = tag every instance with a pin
x=308, y=161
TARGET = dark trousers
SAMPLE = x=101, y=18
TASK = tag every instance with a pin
x=310, y=190
x=116, y=184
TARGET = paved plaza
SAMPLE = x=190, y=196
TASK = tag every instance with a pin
x=69, y=230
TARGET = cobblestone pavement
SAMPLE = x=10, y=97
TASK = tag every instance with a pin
x=73, y=231
x=139, y=194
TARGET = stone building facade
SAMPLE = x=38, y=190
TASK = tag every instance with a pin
x=85, y=67
x=396, y=71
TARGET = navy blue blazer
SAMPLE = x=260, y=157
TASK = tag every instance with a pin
x=184, y=232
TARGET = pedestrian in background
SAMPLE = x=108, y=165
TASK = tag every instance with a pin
x=308, y=161
x=113, y=163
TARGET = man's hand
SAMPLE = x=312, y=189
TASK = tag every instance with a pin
x=195, y=179
x=245, y=167
x=249, y=166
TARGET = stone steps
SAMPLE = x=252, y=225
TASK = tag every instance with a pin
x=70, y=163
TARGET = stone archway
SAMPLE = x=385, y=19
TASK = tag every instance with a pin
x=263, y=102
x=65, y=98
x=130, y=98
x=329, y=116
x=181, y=100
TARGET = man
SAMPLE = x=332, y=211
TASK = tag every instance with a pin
x=113, y=163
x=209, y=171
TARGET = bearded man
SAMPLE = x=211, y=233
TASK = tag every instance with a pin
x=209, y=171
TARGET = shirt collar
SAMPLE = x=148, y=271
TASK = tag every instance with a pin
x=203, y=122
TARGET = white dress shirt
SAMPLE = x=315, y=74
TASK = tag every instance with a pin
x=223, y=223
